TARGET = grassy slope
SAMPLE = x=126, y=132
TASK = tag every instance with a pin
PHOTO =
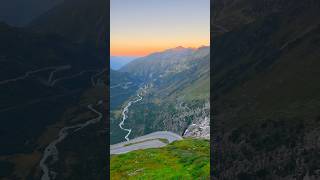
x=193, y=84
x=186, y=159
x=199, y=90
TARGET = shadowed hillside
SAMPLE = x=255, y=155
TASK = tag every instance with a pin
x=53, y=91
x=19, y=13
x=265, y=89
x=82, y=21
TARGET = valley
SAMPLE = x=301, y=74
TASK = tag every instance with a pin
x=166, y=86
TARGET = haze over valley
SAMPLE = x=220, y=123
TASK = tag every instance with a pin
x=117, y=62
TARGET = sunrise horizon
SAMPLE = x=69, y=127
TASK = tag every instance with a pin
x=146, y=53
x=139, y=28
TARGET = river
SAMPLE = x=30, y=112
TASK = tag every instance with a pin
x=126, y=110
x=52, y=151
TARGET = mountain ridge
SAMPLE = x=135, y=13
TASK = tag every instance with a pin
x=157, y=63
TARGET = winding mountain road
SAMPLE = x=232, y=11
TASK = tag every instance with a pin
x=144, y=142
x=93, y=82
x=28, y=73
x=70, y=77
x=123, y=85
x=62, y=68
x=221, y=28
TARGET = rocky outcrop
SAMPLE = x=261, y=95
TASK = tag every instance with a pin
x=200, y=126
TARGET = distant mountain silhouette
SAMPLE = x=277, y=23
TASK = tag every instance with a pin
x=117, y=62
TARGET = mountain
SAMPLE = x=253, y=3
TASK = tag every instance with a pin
x=116, y=62
x=161, y=64
x=175, y=85
x=82, y=21
x=265, y=90
x=37, y=50
x=53, y=83
x=20, y=13
x=47, y=83
x=167, y=71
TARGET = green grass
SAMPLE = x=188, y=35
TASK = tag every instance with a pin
x=198, y=90
x=185, y=159
x=160, y=139
x=164, y=140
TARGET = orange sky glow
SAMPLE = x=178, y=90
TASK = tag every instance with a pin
x=119, y=48
x=142, y=27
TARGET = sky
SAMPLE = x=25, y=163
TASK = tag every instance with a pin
x=140, y=27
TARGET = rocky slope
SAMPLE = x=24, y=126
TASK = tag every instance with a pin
x=200, y=126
